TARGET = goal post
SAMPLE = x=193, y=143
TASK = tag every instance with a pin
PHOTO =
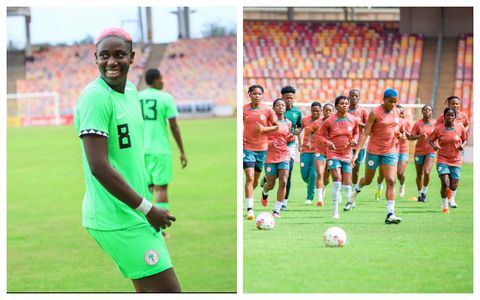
x=36, y=109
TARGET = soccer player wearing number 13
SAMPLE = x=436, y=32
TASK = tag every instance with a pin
x=158, y=107
x=115, y=212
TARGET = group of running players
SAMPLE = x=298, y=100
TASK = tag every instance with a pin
x=332, y=142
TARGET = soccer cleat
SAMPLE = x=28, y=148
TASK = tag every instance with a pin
x=452, y=204
x=275, y=214
x=445, y=211
x=284, y=207
x=377, y=195
x=320, y=203
x=308, y=202
x=401, y=191
x=250, y=215
x=422, y=197
x=263, y=181
x=348, y=206
x=392, y=219
x=264, y=200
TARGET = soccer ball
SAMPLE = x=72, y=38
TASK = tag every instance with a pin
x=265, y=221
x=335, y=237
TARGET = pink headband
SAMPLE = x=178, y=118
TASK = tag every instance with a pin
x=114, y=31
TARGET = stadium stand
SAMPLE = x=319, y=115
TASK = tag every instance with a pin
x=323, y=59
x=205, y=66
x=464, y=73
x=66, y=70
x=197, y=70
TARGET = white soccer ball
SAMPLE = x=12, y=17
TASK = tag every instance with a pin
x=265, y=221
x=335, y=237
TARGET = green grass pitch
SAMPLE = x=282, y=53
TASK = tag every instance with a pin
x=429, y=252
x=49, y=251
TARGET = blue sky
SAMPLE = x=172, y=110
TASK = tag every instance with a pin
x=68, y=24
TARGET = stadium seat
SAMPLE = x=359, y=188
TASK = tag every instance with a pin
x=334, y=50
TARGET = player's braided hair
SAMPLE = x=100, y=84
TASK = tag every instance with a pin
x=276, y=100
x=425, y=106
x=451, y=98
x=287, y=89
x=449, y=109
x=354, y=90
x=255, y=86
x=339, y=98
x=329, y=104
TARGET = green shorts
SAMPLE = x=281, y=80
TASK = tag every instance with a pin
x=159, y=168
x=453, y=171
x=342, y=164
x=254, y=159
x=374, y=160
x=420, y=158
x=138, y=251
x=272, y=169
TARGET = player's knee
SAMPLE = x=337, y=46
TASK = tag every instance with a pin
x=390, y=181
x=268, y=185
x=367, y=181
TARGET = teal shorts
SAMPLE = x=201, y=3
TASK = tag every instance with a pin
x=344, y=165
x=361, y=156
x=254, y=159
x=446, y=169
x=373, y=160
x=319, y=156
x=159, y=168
x=420, y=158
x=271, y=169
x=138, y=251
x=402, y=156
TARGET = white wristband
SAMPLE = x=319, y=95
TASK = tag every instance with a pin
x=144, y=207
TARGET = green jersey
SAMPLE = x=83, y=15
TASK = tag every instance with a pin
x=295, y=116
x=102, y=111
x=157, y=107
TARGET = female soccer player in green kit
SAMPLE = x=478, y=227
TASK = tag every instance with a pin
x=158, y=109
x=115, y=212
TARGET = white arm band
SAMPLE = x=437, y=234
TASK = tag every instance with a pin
x=144, y=207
